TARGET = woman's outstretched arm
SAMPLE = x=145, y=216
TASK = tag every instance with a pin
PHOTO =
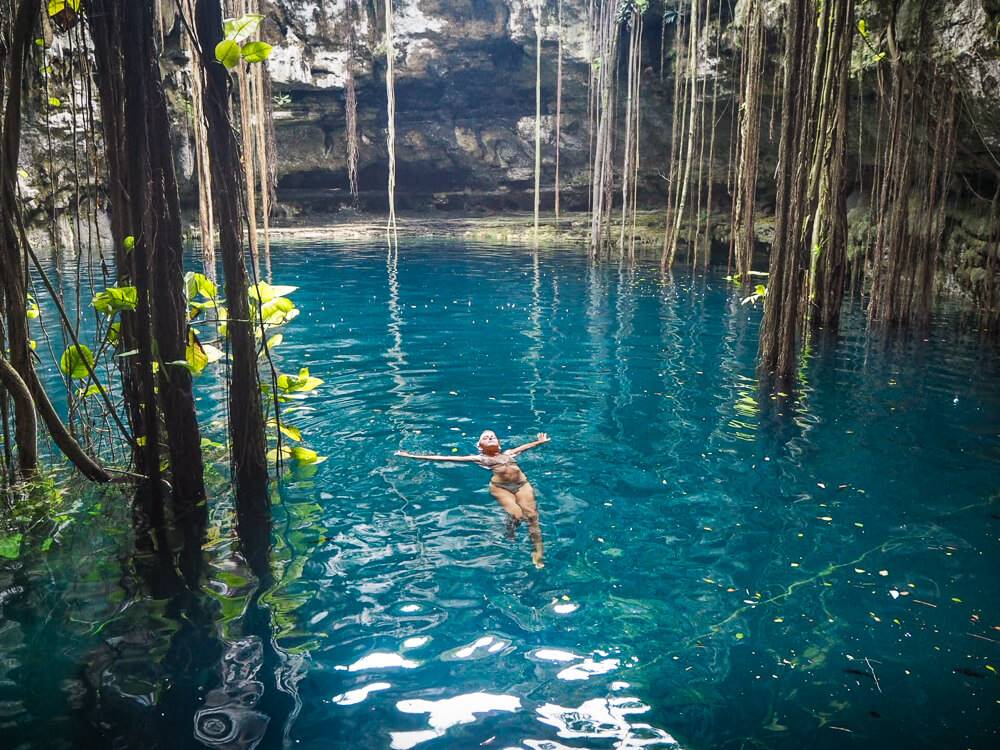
x=542, y=438
x=453, y=459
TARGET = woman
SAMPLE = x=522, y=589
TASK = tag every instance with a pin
x=509, y=485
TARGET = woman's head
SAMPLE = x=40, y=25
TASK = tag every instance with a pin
x=488, y=443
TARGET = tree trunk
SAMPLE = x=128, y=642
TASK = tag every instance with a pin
x=12, y=266
x=246, y=420
x=788, y=263
x=162, y=228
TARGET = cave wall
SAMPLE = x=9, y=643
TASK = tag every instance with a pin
x=465, y=104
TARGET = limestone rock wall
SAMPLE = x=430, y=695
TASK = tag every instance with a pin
x=465, y=102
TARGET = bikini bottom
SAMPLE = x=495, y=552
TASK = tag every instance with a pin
x=511, y=487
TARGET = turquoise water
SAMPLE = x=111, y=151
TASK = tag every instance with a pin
x=724, y=569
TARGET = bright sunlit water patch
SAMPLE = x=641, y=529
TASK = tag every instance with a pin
x=724, y=568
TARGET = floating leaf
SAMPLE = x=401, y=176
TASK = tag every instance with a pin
x=255, y=52
x=75, y=360
x=739, y=636
x=227, y=52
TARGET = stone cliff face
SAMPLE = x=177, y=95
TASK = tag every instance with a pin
x=465, y=90
x=465, y=102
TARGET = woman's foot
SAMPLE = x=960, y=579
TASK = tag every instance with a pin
x=536, y=558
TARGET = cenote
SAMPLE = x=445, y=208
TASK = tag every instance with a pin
x=506, y=374
x=722, y=569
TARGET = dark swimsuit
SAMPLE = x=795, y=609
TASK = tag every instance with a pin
x=511, y=487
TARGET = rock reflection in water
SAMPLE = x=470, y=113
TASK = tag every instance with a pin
x=228, y=719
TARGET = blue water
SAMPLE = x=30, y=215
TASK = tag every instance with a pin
x=724, y=568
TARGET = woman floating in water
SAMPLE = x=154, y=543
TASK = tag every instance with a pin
x=509, y=485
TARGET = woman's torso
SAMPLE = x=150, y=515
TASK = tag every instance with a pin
x=504, y=468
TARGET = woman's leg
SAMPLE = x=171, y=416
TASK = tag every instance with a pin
x=508, y=502
x=525, y=498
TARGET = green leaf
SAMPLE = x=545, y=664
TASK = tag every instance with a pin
x=863, y=28
x=56, y=7
x=39, y=42
x=74, y=361
x=279, y=311
x=306, y=455
x=55, y=101
x=227, y=52
x=115, y=299
x=10, y=546
x=31, y=308
x=242, y=28
x=47, y=544
x=199, y=284
x=275, y=340
x=287, y=430
x=272, y=455
x=255, y=52
x=265, y=292
x=303, y=383
x=91, y=390
x=128, y=244
x=760, y=290
x=115, y=334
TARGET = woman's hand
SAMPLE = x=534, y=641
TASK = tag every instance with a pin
x=543, y=437
x=404, y=454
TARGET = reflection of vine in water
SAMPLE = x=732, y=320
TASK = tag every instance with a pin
x=624, y=318
x=395, y=361
x=533, y=354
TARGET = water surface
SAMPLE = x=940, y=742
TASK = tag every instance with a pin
x=724, y=568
